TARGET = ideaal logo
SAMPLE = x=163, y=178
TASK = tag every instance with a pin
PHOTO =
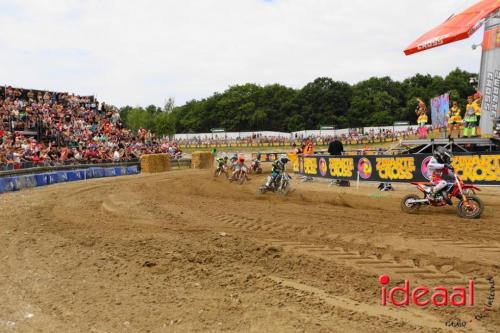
x=423, y=296
x=439, y=296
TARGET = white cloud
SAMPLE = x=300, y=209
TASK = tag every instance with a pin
x=141, y=52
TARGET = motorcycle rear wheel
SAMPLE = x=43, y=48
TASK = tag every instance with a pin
x=472, y=209
x=408, y=207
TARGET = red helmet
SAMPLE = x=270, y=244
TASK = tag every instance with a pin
x=241, y=159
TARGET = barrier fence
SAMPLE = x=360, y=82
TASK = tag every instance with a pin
x=31, y=165
x=28, y=178
x=479, y=168
x=279, y=144
x=266, y=157
x=14, y=180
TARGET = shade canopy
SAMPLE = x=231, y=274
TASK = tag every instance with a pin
x=455, y=28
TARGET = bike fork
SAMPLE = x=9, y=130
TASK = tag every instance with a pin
x=464, y=198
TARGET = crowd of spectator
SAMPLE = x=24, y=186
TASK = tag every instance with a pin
x=42, y=128
x=352, y=137
x=370, y=136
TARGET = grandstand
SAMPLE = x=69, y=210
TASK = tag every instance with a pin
x=43, y=128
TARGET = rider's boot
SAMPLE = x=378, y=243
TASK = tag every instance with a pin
x=434, y=195
x=446, y=198
x=269, y=180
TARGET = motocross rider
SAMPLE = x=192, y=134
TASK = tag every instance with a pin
x=258, y=157
x=221, y=161
x=256, y=161
x=239, y=165
x=439, y=165
x=233, y=160
x=278, y=168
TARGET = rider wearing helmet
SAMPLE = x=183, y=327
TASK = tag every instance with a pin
x=439, y=165
x=239, y=164
x=234, y=158
x=278, y=167
x=221, y=161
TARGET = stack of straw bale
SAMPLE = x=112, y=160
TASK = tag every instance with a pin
x=153, y=163
x=202, y=160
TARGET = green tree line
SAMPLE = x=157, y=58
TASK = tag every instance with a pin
x=323, y=102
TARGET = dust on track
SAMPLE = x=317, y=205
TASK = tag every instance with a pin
x=180, y=252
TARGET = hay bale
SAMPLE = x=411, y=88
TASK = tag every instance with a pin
x=153, y=163
x=202, y=160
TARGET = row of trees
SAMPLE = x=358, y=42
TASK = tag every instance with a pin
x=323, y=102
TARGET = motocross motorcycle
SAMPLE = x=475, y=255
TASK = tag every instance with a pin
x=280, y=185
x=256, y=167
x=469, y=206
x=240, y=176
x=223, y=169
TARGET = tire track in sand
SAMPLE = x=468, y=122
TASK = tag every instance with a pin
x=374, y=264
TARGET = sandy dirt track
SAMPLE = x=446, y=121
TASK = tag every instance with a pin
x=180, y=252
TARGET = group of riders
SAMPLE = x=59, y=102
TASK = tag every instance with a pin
x=236, y=164
x=445, y=183
x=438, y=167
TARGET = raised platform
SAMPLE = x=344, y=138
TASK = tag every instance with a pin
x=456, y=145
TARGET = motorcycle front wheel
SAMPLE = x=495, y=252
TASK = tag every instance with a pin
x=262, y=189
x=242, y=178
x=407, y=206
x=285, y=189
x=472, y=209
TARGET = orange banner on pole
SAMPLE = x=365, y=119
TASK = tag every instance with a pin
x=455, y=28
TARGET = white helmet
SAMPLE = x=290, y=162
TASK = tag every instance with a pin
x=284, y=158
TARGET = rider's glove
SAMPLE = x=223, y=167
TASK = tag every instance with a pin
x=449, y=167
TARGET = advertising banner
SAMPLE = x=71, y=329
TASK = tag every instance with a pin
x=266, y=157
x=489, y=77
x=475, y=168
x=440, y=106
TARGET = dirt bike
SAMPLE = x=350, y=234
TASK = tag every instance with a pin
x=240, y=176
x=256, y=167
x=222, y=169
x=279, y=185
x=469, y=206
